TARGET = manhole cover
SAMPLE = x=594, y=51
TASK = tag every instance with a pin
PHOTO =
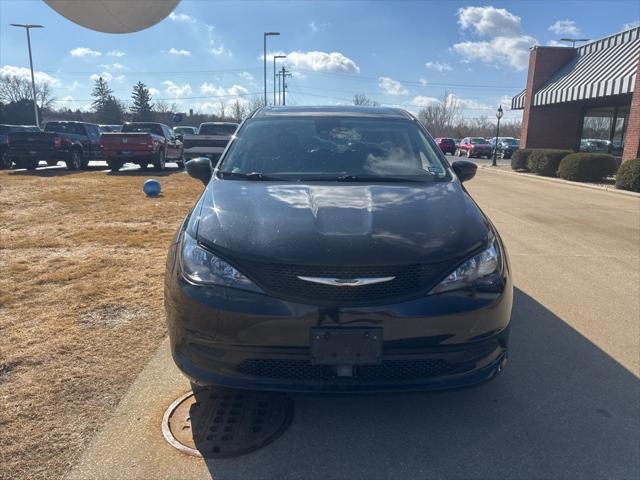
x=216, y=423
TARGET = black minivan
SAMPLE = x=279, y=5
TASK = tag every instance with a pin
x=334, y=249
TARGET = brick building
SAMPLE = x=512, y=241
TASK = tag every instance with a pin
x=584, y=98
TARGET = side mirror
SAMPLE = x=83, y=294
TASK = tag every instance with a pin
x=464, y=169
x=200, y=168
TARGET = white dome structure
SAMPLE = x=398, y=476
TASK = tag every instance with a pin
x=114, y=16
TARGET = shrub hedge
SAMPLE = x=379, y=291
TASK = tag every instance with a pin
x=519, y=159
x=586, y=167
x=546, y=162
x=628, y=176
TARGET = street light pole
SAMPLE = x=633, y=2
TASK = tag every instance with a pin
x=274, y=75
x=499, y=114
x=264, y=38
x=27, y=27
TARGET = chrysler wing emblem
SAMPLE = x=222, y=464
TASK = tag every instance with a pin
x=346, y=282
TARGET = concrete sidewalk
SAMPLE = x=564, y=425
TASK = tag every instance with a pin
x=565, y=407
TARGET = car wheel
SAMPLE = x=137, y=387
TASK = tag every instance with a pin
x=5, y=161
x=160, y=162
x=32, y=164
x=75, y=162
x=114, y=165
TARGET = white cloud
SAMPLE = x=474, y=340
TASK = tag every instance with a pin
x=177, y=90
x=423, y=82
x=74, y=86
x=512, y=51
x=247, y=76
x=84, y=52
x=422, y=101
x=438, y=66
x=112, y=66
x=392, y=87
x=180, y=53
x=565, y=27
x=318, y=61
x=219, y=91
x=316, y=27
x=106, y=76
x=181, y=17
x=489, y=21
x=630, y=25
x=555, y=43
x=23, y=72
x=217, y=51
x=507, y=43
x=153, y=91
x=116, y=53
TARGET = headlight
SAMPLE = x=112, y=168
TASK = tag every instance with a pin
x=201, y=266
x=483, y=269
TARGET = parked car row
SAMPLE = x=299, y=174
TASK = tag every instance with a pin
x=141, y=143
x=479, y=147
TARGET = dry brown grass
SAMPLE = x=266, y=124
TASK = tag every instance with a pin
x=81, y=264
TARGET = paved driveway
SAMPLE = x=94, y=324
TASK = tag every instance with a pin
x=567, y=406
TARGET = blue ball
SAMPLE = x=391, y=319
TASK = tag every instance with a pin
x=151, y=187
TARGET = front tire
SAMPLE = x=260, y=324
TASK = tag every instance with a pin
x=160, y=162
x=114, y=165
x=75, y=162
x=5, y=161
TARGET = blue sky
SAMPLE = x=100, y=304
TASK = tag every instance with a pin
x=398, y=53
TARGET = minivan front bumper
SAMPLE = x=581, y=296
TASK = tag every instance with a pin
x=241, y=339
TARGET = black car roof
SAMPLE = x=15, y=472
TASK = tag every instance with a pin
x=333, y=110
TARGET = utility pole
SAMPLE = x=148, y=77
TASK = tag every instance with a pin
x=27, y=27
x=275, y=57
x=284, y=74
x=279, y=94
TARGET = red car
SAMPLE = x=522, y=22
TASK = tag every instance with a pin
x=474, y=147
x=447, y=145
x=142, y=143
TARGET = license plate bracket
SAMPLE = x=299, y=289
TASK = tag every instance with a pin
x=346, y=346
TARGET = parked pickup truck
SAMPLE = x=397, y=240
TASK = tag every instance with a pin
x=142, y=143
x=211, y=140
x=75, y=143
x=5, y=159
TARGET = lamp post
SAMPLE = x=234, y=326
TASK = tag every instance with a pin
x=264, y=38
x=27, y=27
x=499, y=114
x=274, y=75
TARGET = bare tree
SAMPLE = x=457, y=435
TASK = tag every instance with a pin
x=362, y=99
x=439, y=117
x=256, y=102
x=238, y=110
x=15, y=89
x=222, y=108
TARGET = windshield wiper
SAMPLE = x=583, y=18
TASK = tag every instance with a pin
x=249, y=176
x=375, y=178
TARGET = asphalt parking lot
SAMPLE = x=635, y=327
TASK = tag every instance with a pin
x=565, y=407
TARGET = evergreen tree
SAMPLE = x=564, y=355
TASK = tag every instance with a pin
x=102, y=93
x=142, y=108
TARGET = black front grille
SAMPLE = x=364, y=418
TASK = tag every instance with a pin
x=282, y=280
x=389, y=370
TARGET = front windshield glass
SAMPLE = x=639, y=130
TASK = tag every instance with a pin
x=310, y=148
x=478, y=141
x=510, y=141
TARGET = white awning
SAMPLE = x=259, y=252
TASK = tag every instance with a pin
x=601, y=69
x=517, y=102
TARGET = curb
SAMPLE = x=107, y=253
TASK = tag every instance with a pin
x=488, y=168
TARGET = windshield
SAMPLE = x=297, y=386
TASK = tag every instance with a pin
x=510, y=141
x=479, y=141
x=142, y=128
x=71, y=128
x=213, y=129
x=184, y=130
x=346, y=148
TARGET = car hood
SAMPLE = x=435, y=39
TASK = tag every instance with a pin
x=340, y=224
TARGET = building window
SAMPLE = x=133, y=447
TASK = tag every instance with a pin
x=603, y=130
